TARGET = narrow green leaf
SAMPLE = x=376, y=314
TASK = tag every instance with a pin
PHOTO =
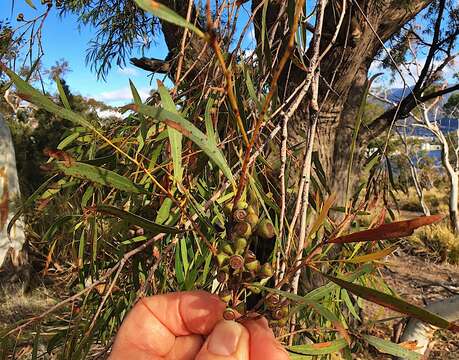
x=358, y=123
x=36, y=343
x=184, y=255
x=137, y=220
x=135, y=240
x=175, y=137
x=28, y=93
x=98, y=175
x=180, y=276
x=86, y=196
x=347, y=300
x=373, y=256
x=62, y=95
x=394, y=303
x=164, y=211
x=28, y=203
x=251, y=88
x=388, y=347
x=166, y=14
x=190, y=131
x=205, y=272
x=321, y=292
x=135, y=93
x=68, y=140
x=208, y=120
x=56, y=225
x=324, y=348
x=30, y=3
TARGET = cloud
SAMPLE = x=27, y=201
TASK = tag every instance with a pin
x=410, y=73
x=103, y=114
x=120, y=95
x=128, y=71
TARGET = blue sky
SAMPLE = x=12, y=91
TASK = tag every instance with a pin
x=62, y=38
x=66, y=38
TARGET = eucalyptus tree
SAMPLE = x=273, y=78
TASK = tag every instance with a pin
x=357, y=36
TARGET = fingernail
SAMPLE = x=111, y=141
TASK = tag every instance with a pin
x=224, y=338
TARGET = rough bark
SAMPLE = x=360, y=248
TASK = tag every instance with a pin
x=344, y=72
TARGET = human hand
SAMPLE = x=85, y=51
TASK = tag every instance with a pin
x=189, y=325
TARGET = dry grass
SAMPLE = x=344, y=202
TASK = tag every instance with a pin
x=440, y=241
x=435, y=198
x=16, y=306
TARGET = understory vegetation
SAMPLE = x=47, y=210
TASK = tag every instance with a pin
x=227, y=181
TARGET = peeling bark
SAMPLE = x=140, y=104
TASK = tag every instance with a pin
x=9, y=194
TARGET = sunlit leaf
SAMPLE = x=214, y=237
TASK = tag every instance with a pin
x=373, y=256
x=188, y=130
x=388, y=347
x=324, y=348
x=175, y=137
x=62, y=95
x=30, y=3
x=98, y=175
x=388, y=231
x=394, y=303
x=166, y=14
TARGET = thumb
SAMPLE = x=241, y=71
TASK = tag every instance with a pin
x=228, y=340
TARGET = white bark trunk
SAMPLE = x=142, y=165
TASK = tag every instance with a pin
x=453, y=201
x=417, y=185
x=9, y=194
x=421, y=332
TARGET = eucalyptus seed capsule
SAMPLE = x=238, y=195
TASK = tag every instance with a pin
x=277, y=314
x=242, y=205
x=228, y=208
x=239, y=215
x=240, y=245
x=285, y=310
x=266, y=270
x=131, y=233
x=251, y=210
x=242, y=229
x=227, y=248
x=226, y=296
x=252, y=219
x=222, y=276
x=222, y=258
x=236, y=262
x=250, y=256
x=265, y=229
x=253, y=266
x=272, y=301
x=229, y=314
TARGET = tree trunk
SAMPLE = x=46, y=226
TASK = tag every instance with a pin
x=453, y=177
x=453, y=202
x=9, y=194
x=418, y=187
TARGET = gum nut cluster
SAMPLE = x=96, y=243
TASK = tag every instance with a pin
x=237, y=264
